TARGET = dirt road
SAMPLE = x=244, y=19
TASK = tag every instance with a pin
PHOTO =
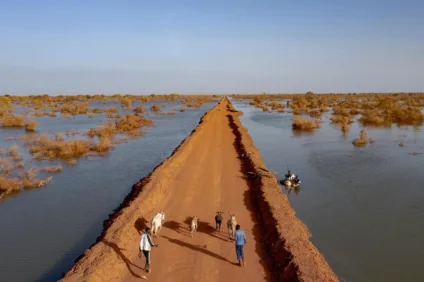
x=209, y=181
x=204, y=175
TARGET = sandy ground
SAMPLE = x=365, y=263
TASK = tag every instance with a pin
x=204, y=175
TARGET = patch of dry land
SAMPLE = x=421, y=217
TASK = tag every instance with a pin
x=205, y=174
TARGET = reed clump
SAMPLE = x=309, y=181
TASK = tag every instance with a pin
x=131, y=121
x=341, y=119
x=127, y=124
x=374, y=117
x=138, y=110
x=265, y=108
x=74, y=109
x=19, y=165
x=103, y=146
x=31, y=125
x=5, y=167
x=13, y=151
x=53, y=168
x=45, y=148
x=126, y=103
x=27, y=180
x=135, y=133
x=361, y=140
x=170, y=113
x=71, y=162
x=340, y=111
x=155, y=108
x=304, y=124
x=13, y=121
x=315, y=113
x=276, y=106
x=105, y=110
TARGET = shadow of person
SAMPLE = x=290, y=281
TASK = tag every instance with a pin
x=201, y=249
x=122, y=256
x=140, y=224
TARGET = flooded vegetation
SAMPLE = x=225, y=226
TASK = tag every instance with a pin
x=127, y=120
x=359, y=157
x=360, y=172
x=85, y=156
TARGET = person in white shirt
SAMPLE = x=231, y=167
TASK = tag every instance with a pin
x=145, y=246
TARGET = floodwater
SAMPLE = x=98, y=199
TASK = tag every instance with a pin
x=44, y=230
x=363, y=206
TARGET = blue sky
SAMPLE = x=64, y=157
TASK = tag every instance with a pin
x=179, y=46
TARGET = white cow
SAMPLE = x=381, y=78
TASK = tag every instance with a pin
x=194, y=224
x=157, y=223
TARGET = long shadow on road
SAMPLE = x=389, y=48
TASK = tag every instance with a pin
x=201, y=249
x=122, y=256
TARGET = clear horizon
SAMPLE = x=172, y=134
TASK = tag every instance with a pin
x=220, y=47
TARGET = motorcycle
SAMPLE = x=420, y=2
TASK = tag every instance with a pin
x=291, y=180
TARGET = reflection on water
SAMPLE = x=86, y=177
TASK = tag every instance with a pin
x=364, y=206
x=44, y=230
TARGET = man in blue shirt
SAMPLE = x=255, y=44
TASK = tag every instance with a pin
x=240, y=238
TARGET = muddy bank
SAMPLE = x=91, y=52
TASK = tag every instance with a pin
x=292, y=256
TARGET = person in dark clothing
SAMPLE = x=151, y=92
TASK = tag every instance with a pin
x=218, y=221
x=288, y=174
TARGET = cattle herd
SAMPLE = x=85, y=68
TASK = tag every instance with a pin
x=159, y=218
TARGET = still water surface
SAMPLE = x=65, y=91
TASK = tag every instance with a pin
x=363, y=206
x=44, y=230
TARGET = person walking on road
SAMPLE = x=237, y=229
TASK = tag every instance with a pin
x=218, y=221
x=240, y=238
x=145, y=246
